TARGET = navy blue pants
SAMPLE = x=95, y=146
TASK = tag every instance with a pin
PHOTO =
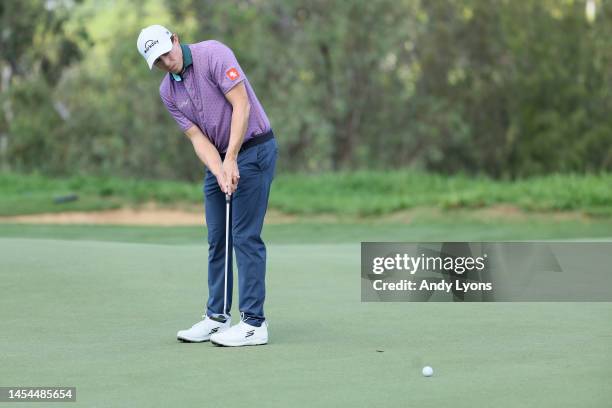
x=248, y=208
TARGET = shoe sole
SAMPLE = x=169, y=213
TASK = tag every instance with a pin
x=238, y=345
x=184, y=340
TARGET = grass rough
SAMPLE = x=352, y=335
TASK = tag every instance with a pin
x=360, y=193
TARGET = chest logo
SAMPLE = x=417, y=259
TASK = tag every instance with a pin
x=232, y=74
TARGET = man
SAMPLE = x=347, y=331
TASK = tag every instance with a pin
x=212, y=101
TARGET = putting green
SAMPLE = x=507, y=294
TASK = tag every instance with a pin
x=102, y=316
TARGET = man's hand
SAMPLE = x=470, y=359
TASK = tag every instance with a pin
x=232, y=175
x=222, y=181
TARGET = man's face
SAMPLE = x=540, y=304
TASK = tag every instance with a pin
x=172, y=61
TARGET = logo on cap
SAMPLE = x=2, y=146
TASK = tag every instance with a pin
x=149, y=44
x=232, y=74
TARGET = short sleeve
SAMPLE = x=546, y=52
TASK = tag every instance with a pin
x=178, y=116
x=225, y=70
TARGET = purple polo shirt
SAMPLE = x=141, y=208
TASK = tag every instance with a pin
x=199, y=99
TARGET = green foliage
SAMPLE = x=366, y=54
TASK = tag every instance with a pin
x=504, y=88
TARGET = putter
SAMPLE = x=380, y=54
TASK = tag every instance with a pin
x=227, y=248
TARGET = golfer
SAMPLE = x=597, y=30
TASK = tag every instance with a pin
x=210, y=98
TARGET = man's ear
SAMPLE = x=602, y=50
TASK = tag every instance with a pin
x=174, y=38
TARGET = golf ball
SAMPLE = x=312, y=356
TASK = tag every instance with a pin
x=427, y=371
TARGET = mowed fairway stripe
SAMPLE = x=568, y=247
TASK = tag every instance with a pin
x=103, y=316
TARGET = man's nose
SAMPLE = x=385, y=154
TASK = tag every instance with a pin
x=165, y=59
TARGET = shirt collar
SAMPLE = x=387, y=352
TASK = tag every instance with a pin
x=187, y=61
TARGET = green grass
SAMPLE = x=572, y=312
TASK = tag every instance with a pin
x=373, y=193
x=102, y=316
x=31, y=194
x=357, y=193
x=98, y=307
x=448, y=229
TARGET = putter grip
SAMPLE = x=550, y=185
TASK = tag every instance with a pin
x=227, y=198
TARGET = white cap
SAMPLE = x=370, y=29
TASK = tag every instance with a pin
x=154, y=41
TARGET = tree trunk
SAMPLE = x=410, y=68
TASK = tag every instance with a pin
x=7, y=111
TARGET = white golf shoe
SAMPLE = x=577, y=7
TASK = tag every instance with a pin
x=201, y=331
x=242, y=334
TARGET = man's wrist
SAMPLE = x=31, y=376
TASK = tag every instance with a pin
x=231, y=156
x=216, y=170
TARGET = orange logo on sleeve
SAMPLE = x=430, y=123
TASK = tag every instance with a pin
x=232, y=74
